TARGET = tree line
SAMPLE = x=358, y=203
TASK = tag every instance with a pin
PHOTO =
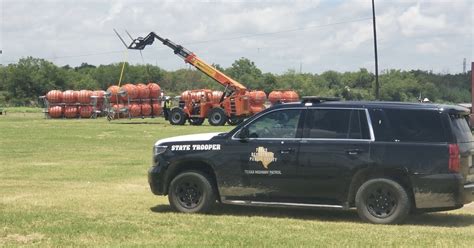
x=22, y=83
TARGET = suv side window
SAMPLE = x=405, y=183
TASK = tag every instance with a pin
x=415, y=125
x=382, y=130
x=277, y=124
x=336, y=124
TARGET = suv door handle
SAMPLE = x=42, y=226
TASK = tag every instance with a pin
x=287, y=151
x=354, y=151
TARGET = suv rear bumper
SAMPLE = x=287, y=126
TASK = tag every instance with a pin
x=441, y=191
x=468, y=193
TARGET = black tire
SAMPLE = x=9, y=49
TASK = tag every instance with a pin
x=177, y=117
x=382, y=201
x=234, y=120
x=191, y=192
x=196, y=121
x=217, y=117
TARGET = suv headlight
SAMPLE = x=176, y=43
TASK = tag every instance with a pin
x=159, y=149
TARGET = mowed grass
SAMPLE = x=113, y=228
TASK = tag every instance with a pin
x=83, y=183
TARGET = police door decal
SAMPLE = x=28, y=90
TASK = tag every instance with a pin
x=265, y=157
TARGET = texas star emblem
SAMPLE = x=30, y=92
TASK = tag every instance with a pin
x=261, y=154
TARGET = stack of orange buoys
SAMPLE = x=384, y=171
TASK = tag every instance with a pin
x=257, y=101
x=135, y=100
x=282, y=96
x=70, y=104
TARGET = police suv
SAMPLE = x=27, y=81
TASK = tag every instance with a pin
x=385, y=159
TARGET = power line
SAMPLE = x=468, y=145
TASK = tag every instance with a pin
x=74, y=56
x=223, y=39
x=281, y=32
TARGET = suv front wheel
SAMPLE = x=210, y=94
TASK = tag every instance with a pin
x=382, y=201
x=191, y=192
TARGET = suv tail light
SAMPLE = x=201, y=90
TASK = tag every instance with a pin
x=454, y=158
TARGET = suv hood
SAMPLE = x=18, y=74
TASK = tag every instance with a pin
x=190, y=137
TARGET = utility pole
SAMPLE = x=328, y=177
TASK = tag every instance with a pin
x=377, y=87
x=464, y=64
x=472, y=93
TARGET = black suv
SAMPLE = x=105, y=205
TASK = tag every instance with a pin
x=385, y=159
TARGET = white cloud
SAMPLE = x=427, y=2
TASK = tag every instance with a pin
x=409, y=32
x=113, y=12
x=430, y=47
x=413, y=22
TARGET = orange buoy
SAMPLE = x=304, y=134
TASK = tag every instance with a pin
x=143, y=91
x=257, y=97
x=70, y=112
x=113, y=91
x=256, y=108
x=155, y=90
x=55, y=111
x=146, y=109
x=130, y=90
x=157, y=109
x=69, y=96
x=275, y=96
x=290, y=96
x=216, y=96
x=197, y=95
x=54, y=96
x=117, y=107
x=186, y=96
x=100, y=96
x=134, y=109
x=85, y=111
x=84, y=96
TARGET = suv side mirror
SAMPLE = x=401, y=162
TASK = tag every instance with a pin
x=244, y=133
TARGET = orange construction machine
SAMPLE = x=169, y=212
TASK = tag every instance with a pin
x=234, y=104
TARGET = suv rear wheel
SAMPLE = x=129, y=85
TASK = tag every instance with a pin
x=191, y=192
x=382, y=201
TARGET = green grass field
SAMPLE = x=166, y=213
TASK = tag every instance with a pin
x=83, y=183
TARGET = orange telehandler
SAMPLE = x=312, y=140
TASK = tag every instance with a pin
x=234, y=104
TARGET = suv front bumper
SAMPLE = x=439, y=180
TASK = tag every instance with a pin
x=154, y=180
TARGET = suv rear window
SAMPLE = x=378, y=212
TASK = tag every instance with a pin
x=461, y=129
x=414, y=125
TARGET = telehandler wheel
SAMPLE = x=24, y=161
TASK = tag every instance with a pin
x=196, y=121
x=234, y=120
x=217, y=117
x=177, y=116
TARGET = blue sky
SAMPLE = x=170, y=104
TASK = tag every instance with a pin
x=277, y=35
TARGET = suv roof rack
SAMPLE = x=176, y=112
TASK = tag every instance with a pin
x=318, y=99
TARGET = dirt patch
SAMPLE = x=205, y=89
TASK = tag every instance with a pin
x=469, y=207
x=23, y=239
